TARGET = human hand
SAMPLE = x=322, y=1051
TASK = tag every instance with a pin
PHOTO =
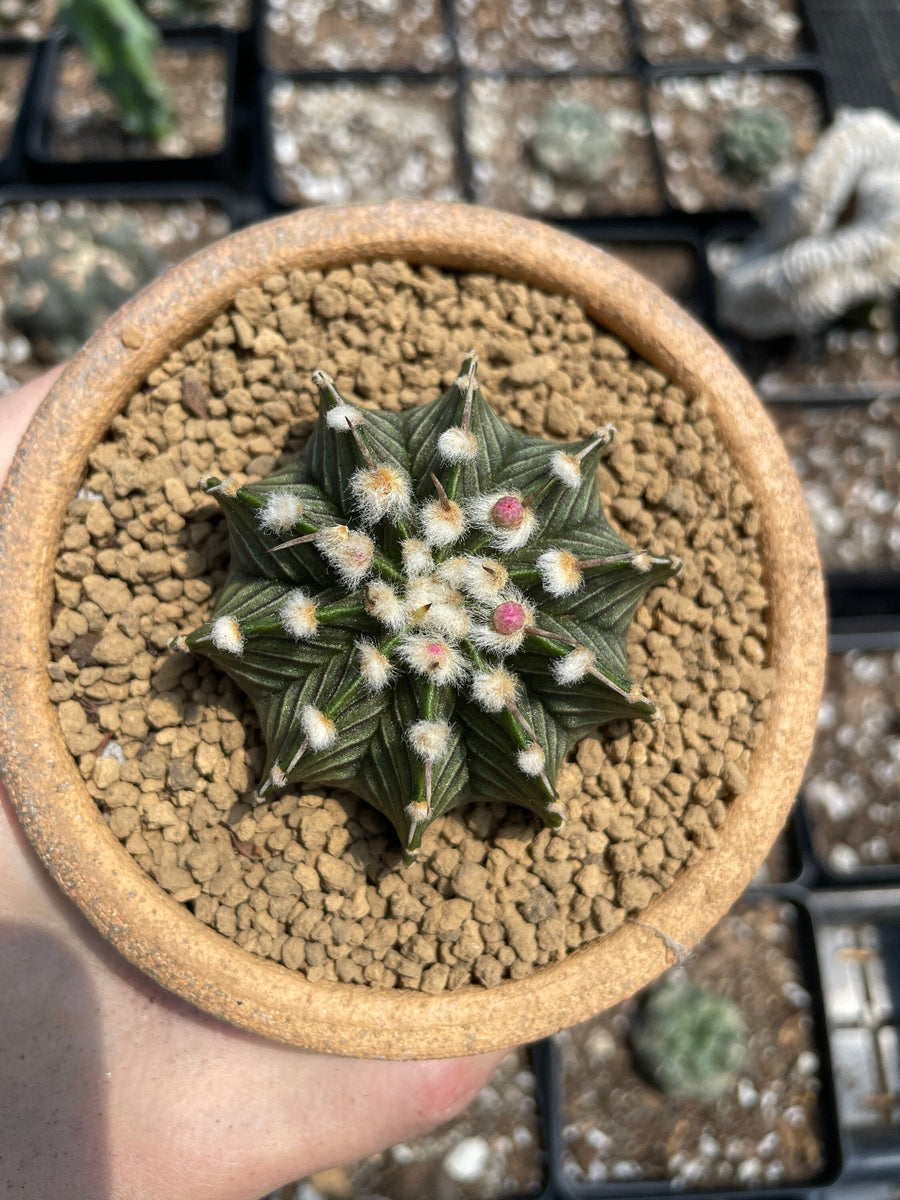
x=113, y=1089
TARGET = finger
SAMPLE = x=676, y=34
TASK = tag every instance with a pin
x=16, y=410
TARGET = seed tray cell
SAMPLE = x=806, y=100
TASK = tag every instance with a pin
x=506, y=122
x=691, y=114
x=355, y=35
x=70, y=106
x=727, y=30
x=354, y=142
x=544, y=34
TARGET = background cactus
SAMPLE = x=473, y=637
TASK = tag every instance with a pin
x=121, y=43
x=575, y=141
x=431, y=608
x=689, y=1042
x=752, y=143
x=71, y=277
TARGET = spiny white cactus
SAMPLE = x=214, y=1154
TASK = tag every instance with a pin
x=808, y=266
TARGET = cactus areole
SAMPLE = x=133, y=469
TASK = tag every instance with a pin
x=432, y=608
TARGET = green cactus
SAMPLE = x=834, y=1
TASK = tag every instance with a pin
x=453, y=644
x=121, y=43
x=689, y=1042
x=575, y=142
x=752, y=143
x=71, y=277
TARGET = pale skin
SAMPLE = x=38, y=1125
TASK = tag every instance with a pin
x=113, y=1089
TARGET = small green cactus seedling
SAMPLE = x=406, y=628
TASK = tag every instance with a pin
x=121, y=43
x=574, y=142
x=689, y=1042
x=752, y=143
x=432, y=608
x=71, y=277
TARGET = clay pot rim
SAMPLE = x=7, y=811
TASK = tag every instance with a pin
x=158, y=934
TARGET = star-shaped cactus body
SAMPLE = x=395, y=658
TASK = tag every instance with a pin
x=431, y=608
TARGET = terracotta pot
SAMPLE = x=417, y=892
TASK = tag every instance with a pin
x=64, y=823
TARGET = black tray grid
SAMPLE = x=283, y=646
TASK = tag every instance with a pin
x=851, y=53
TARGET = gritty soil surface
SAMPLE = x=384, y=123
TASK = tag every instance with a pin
x=352, y=143
x=848, y=460
x=172, y=752
x=13, y=76
x=852, y=779
x=175, y=230
x=852, y=357
x=356, y=34
x=719, y=30
x=670, y=265
x=766, y=1132
x=490, y=1150
x=29, y=19
x=502, y=117
x=589, y=34
x=689, y=113
x=83, y=122
x=231, y=14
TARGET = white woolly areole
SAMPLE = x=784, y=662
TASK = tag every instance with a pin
x=350, y=553
x=442, y=524
x=487, y=638
x=453, y=570
x=480, y=509
x=457, y=445
x=573, y=667
x=277, y=776
x=484, y=578
x=494, y=690
x=433, y=657
x=641, y=561
x=430, y=739
x=531, y=761
x=280, y=513
x=225, y=634
x=342, y=416
x=298, y=614
x=566, y=468
x=375, y=668
x=417, y=558
x=380, y=492
x=560, y=573
x=321, y=731
x=452, y=620
x=383, y=603
x=422, y=593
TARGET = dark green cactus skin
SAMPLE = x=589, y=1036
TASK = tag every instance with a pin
x=575, y=142
x=439, y=656
x=121, y=42
x=753, y=142
x=691, y=1043
x=72, y=277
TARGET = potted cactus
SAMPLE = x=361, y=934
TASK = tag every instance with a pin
x=430, y=607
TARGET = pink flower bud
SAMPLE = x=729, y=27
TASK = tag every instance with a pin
x=508, y=617
x=508, y=512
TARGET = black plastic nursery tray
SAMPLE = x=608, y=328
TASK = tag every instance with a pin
x=371, y=104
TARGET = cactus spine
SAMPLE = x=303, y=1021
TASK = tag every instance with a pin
x=431, y=608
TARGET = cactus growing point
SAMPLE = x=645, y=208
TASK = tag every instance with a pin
x=432, y=608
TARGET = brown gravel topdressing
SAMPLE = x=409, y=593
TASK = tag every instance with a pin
x=171, y=751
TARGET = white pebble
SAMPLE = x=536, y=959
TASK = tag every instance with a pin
x=466, y=1162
